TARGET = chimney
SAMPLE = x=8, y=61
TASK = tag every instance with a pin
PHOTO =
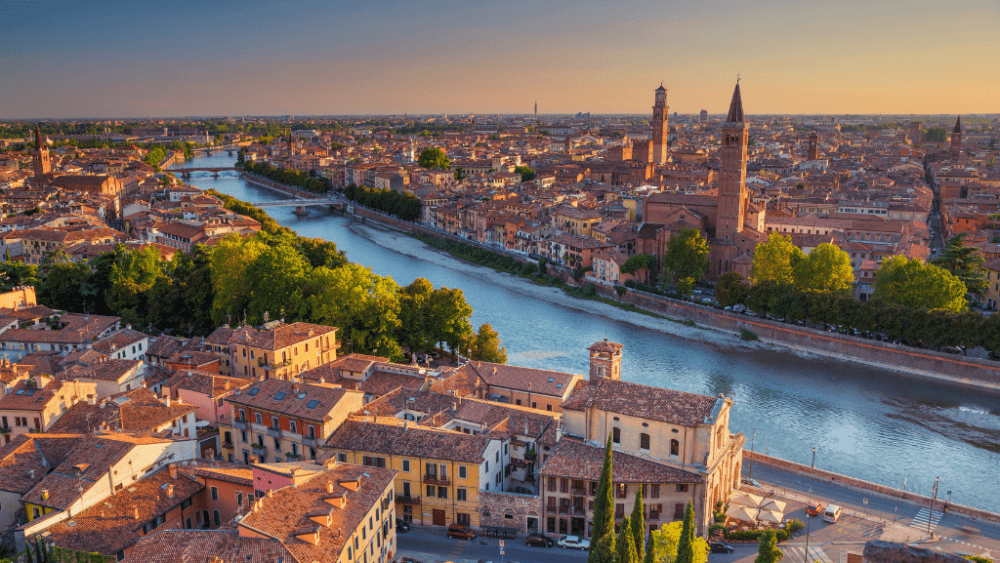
x=270, y=493
x=31, y=473
x=173, y=470
x=180, y=400
x=329, y=486
x=170, y=491
x=45, y=494
x=135, y=512
x=166, y=401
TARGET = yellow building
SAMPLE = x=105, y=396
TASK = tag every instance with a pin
x=440, y=472
x=574, y=220
x=282, y=351
x=992, y=295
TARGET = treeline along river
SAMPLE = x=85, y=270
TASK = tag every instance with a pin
x=864, y=422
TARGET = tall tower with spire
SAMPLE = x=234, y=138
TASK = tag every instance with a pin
x=733, y=198
x=956, y=138
x=536, y=111
x=660, y=125
x=40, y=156
x=813, y=146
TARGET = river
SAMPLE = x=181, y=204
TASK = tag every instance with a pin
x=864, y=422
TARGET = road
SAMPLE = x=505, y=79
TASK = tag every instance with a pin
x=874, y=507
x=428, y=545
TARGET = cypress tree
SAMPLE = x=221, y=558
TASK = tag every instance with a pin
x=625, y=547
x=638, y=524
x=685, y=546
x=768, y=551
x=27, y=556
x=45, y=551
x=39, y=556
x=650, y=550
x=602, y=539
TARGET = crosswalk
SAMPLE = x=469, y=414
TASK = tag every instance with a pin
x=924, y=516
x=795, y=553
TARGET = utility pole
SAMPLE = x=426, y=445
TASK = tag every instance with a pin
x=814, y=458
x=805, y=558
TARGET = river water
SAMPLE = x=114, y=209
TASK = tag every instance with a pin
x=864, y=422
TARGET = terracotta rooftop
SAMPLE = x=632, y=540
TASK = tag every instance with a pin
x=573, y=459
x=308, y=401
x=641, y=401
x=411, y=440
x=206, y=546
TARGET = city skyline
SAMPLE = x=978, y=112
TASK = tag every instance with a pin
x=308, y=58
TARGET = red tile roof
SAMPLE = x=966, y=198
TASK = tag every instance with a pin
x=573, y=459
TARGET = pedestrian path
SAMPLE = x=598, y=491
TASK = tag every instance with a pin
x=795, y=554
x=925, y=516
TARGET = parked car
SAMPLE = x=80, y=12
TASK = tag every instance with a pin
x=574, y=542
x=402, y=526
x=751, y=482
x=720, y=547
x=539, y=540
x=815, y=508
x=832, y=513
x=461, y=532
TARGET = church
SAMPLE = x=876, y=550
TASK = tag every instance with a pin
x=727, y=218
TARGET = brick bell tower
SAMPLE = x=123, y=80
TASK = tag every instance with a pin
x=40, y=156
x=813, y=146
x=733, y=198
x=956, y=138
x=660, y=120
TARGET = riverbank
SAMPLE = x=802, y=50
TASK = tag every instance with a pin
x=724, y=328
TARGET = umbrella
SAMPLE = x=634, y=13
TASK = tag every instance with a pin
x=766, y=515
x=740, y=512
x=774, y=504
x=746, y=499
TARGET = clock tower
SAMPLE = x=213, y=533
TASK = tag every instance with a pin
x=660, y=126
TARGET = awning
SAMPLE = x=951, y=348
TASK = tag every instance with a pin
x=774, y=504
x=740, y=512
x=766, y=515
x=746, y=499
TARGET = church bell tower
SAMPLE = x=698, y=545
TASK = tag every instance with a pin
x=660, y=120
x=733, y=198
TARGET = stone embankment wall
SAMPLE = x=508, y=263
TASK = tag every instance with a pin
x=887, y=552
x=283, y=188
x=859, y=484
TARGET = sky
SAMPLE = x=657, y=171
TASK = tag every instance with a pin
x=101, y=58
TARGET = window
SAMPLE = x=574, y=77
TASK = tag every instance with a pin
x=274, y=422
x=644, y=442
x=460, y=494
x=293, y=426
x=463, y=473
x=616, y=436
x=550, y=525
x=215, y=493
x=239, y=498
x=552, y=484
x=430, y=491
x=257, y=418
x=342, y=457
x=622, y=490
x=563, y=485
x=682, y=488
x=654, y=490
x=217, y=516
x=619, y=511
x=675, y=448
x=406, y=466
x=679, y=511
x=312, y=431
x=548, y=407
x=442, y=492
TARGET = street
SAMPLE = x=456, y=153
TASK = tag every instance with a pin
x=429, y=545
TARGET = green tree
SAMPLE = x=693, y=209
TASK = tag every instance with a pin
x=936, y=135
x=768, y=551
x=450, y=314
x=730, y=289
x=321, y=252
x=665, y=541
x=638, y=263
x=686, y=545
x=433, y=157
x=415, y=316
x=686, y=258
x=775, y=260
x=914, y=284
x=527, y=174
x=274, y=281
x=230, y=261
x=486, y=346
x=965, y=263
x=625, y=544
x=14, y=274
x=602, y=537
x=638, y=524
x=649, y=553
x=827, y=268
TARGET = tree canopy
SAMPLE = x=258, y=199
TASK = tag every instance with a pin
x=965, y=263
x=602, y=536
x=826, y=268
x=686, y=259
x=665, y=542
x=912, y=283
x=433, y=157
x=774, y=260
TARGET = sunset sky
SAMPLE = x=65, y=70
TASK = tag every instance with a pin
x=132, y=59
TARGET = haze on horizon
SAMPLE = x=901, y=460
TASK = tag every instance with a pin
x=306, y=57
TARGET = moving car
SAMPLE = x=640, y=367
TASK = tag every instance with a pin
x=461, y=532
x=751, y=482
x=815, y=508
x=402, y=526
x=720, y=547
x=832, y=513
x=539, y=540
x=574, y=542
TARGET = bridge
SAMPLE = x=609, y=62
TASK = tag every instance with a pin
x=186, y=172
x=230, y=149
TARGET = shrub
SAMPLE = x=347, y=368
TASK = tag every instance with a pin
x=748, y=335
x=794, y=525
x=714, y=527
x=630, y=283
x=978, y=559
x=620, y=290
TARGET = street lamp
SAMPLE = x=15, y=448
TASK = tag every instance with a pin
x=814, y=458
x=752, y=436
x=805, y=558
x=930, y=517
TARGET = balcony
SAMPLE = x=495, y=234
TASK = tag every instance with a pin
x=312, y=442
x=564, y=509
x=239, y=424
x=292, y=457
x=407, y=500
x=259, y=449
x=578, y=510
x=654, y=515
x=579, y=491
x=227, y=445
x=274, y=432
x=550, y=509
x=435, y=480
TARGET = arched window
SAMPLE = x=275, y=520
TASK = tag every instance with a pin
x=675, y=448
x=616, y=435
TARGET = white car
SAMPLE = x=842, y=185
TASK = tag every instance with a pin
x=574, y=542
